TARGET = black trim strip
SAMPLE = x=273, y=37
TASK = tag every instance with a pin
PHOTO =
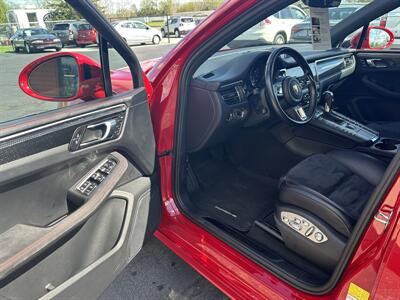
x=50, y=136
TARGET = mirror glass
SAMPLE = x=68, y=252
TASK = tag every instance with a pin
x=378, y=38
x=57, y=77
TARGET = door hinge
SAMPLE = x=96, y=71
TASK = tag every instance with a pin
x=384, y=216
x=165, y=153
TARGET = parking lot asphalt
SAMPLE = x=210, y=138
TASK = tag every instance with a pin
x=157, y=273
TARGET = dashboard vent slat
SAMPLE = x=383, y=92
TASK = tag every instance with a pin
x=231, y=95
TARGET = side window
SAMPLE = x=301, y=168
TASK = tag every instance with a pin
x=297, y=14
x=139, y=25
x=391, y=21
x=58, y=81
x=382, y=34
x=126, y=25
x=285, y=13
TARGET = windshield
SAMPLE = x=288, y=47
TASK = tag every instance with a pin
x=61, y=27
x=85, y=27
x=35, y=31
x=297, y=24
x=187, y=20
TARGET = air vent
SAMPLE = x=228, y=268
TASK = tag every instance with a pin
x=231, y=95
x=208, y=75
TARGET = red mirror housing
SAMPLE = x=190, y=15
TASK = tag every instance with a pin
x=370, y=43
x=90, y=84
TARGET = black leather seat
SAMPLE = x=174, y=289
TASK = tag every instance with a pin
x=326, y=192
x=387, y=129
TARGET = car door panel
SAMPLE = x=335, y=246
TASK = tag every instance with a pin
x=55, y=240
x=373, y=93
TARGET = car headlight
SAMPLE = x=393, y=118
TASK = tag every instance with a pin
x=56, y=40
x=37, y=42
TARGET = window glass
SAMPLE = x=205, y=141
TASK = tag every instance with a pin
x=187, y=20
x=85, y=27
x=139, y=25
x=59, y=78
x=297, y=14
x=383, y=33
x=292, y=26
x=126, y=25
x=61, y=27
x=285, y=14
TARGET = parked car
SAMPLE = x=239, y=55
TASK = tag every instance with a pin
x=67, y=31
x=237, y=160
x=35, y=39
x=392, y=22
x=136, y=32
x=276, y=29
x=301, y=33
x=87, y=35
x=178, y=25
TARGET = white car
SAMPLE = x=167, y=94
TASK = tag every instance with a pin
x=136, y=32
x=276, y=29
x=178, y=26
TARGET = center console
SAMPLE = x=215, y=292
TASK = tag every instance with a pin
x=346, y=127
x=328, y=119
x=366, y=139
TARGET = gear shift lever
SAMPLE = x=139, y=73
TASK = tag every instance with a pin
x=328, y=101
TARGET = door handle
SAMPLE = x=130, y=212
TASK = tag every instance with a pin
x=98, y=132
x=376, y=63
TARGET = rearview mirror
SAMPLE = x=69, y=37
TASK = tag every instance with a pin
x=322, y=3
x=62, y=77
x=377, y=38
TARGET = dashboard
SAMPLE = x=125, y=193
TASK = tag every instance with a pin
x=228, y=90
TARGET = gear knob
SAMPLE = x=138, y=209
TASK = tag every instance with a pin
x=328, y=99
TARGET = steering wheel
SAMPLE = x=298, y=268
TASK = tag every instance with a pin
x=294, y=99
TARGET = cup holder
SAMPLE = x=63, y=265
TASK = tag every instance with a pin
x=388, y=144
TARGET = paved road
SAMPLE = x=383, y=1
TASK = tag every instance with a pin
x=157, y=273
x=12, y=99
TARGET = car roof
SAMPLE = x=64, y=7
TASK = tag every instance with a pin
x=31, y=28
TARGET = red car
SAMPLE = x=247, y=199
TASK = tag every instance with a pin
x=86, y=35
x=238, y=160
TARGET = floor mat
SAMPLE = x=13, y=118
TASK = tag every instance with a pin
x=230, y=196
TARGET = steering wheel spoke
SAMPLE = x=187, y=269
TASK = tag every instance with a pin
x=297, y=112
x=278, y=88
x=304, y=81
x=293, y=98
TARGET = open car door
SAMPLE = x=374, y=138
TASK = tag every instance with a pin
x=78, y=191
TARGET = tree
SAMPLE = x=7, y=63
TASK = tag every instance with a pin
x=148, y=8
x=3, y=10
x=168, y=7
x=61, y=10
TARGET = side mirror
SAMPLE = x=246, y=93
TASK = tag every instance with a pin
x=62, y=77
x=377, y=38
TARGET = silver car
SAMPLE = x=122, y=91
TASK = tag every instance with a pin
x=136, y=32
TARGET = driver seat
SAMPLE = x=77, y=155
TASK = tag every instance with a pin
x=321, y=198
